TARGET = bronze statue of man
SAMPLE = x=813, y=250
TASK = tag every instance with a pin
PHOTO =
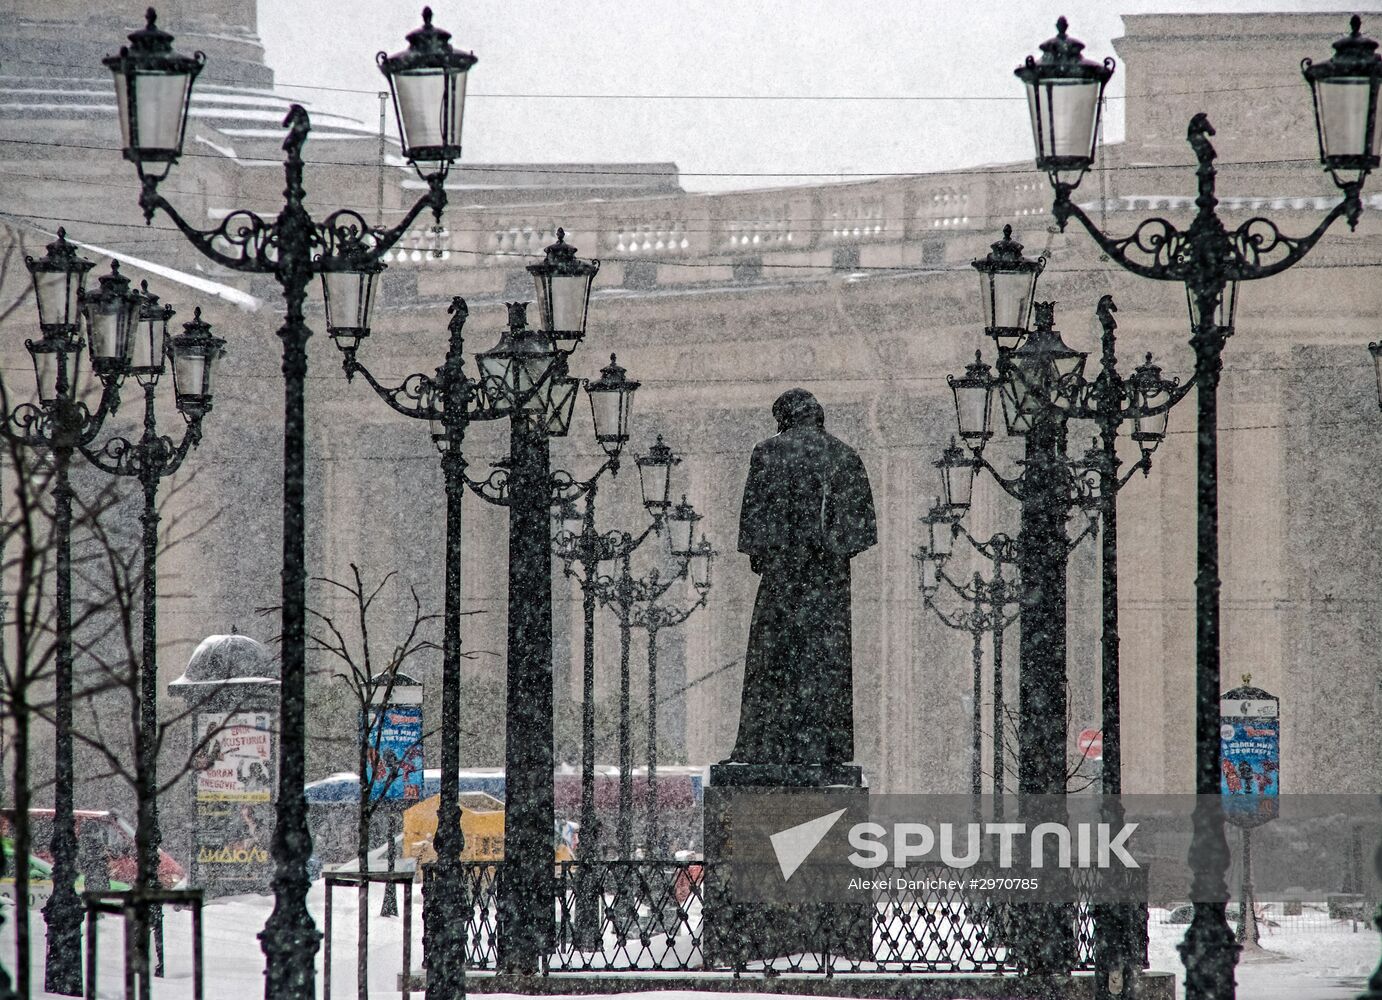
x=807, y=511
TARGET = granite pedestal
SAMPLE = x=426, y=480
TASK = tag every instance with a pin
x=754, y=908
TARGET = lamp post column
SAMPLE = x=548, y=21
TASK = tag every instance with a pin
x=976, y=634
x=526, y=899
x=625, y=610
x=588, y=847
x=1045, y=936
x=445, y=907
x=1041, y=549
x=1000, y=598
x=653, y=626
x=290, y=939
x=146, y=764
x=1209, y=951
x=63, y=911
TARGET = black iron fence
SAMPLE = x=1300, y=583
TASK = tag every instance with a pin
x=650, y=916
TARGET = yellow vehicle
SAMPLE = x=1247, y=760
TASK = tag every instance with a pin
x=482, y=822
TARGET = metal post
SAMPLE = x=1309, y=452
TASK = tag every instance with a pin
x=290, y=939
x=624, y=597
x=587, y=922
x=146, y=765
x=63, y=911
x=1000, y=742
x=1247, y=898
x=1042, y=545
x=389, y=908
x=444, y=905
x=525, y=901
x=1208, y=951
x=1113, y=922
x=976, y=631
x=1045, y=938
x=651, y=851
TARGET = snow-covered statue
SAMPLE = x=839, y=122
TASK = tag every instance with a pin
x=807, y=511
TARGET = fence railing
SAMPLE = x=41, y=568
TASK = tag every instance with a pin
x=138, y=968
x=650, y=916
x=356, y=880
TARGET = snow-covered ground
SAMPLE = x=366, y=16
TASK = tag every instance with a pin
x=1321, y=962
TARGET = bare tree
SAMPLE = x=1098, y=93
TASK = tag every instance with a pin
x=108, y=565
x=27, y=663
x=370, y=679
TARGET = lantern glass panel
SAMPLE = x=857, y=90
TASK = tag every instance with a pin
x=108, y=323
x=192, y=374
x=1015, y=413
x=57, y=293
x=609, y=409
x=941, y=534
x=973, y=406
x=160, y=103
x=700, y=566
x=680, y=528
x=431, y=103
x=1223, y=313
x=1345, y=103
x=1007, y=298
x=55, y=371
x=562, y=300
x=930, y=573
x=959, y=484
x=655, y=482
x=348, y=297
x=1064, y=113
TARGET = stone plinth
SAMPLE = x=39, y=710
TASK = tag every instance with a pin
x=756, y=905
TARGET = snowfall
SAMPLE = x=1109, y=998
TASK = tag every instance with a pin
x=1327, y=960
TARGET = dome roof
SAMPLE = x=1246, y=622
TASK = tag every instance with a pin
x=228, y=659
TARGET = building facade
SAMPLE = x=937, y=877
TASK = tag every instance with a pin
x=860, y=292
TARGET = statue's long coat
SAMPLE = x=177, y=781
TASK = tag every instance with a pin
x=807, y=511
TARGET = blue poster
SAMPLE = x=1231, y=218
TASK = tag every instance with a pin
x=1250, y=762
x=393, y=753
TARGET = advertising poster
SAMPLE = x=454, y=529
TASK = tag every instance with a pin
x=1250, y=763
x=393, y=752
x=235, y=762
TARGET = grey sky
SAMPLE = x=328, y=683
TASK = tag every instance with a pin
x=877, y=48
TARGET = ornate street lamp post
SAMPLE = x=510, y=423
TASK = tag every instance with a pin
x=653, y=617
x=60, y=423
x=624, y=593
x=153, y=85
x=142, y=351
x=1042, y=386
x=578, y=541
x=988, y=602
x=1064, y=91
x=1374, y=990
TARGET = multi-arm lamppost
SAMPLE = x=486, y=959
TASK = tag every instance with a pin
x=1064, y=92
x=987, y=613
x=577, y=541
x=59, y=424
x=153, y=87
x=142, y=349
x=653, y=617
x=126, y=334
x=529, y=387
x=1042, y=386
x=623, y=593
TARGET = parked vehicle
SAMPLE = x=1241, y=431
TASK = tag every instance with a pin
x=102, y=834
x=40, y=879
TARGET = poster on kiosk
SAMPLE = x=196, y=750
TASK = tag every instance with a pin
x=1249, y=755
